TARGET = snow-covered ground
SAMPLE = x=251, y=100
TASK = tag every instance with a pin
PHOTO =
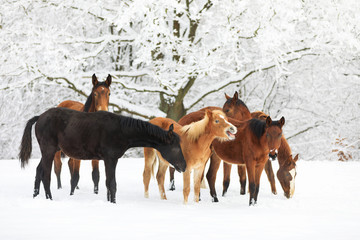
x=326, y=205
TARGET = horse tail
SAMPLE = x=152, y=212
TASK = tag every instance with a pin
x=26, y=145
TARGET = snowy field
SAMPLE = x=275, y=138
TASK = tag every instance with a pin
x=326, y=205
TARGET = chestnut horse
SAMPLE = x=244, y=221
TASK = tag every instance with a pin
x=233, y=107
x=98, y=100
x=196, y=139
x=99, y=135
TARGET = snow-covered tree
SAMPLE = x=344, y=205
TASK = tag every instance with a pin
x=298, y=59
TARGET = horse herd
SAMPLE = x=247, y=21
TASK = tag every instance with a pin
x=231, y=134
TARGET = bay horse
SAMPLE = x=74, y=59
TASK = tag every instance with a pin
x=196, y=139
x=99, y=135
x=98, y=100
x=287, y=165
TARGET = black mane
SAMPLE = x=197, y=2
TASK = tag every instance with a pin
x=257, y=127
x=146, y=127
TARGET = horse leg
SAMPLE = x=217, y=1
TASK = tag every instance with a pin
x=270, y=175
x=160, y=177
x=198, y=173
x=186, y=189
x=172, y=179
x=38, y=178
x=250, y=167
x=150, y=157
x=258, y=170
x=242, y=176
x=74, y=166
x=47, y=159
x=110, y=167
x=211, y=175
x=95, y=175
x=57, y=167
x=226, y=180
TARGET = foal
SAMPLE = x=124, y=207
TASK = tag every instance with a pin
x=196, y=139
x=98, y=100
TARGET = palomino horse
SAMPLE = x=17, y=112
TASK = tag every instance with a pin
x=233, y=107
x=98, y=100
x=99, y=135
x=196, y=139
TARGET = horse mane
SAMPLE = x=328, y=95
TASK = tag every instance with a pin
x=90, y=97
x=258, y=126
x=144, y=126
x=88, y=103
x=194, y=130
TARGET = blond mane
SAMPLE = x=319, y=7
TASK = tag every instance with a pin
x=194, y=130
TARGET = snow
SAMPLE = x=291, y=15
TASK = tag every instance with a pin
x=326, y=205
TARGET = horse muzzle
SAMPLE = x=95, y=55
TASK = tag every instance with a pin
x=230, y=132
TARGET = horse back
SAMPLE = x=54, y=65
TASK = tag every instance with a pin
x=74, y=105
x=165, y=123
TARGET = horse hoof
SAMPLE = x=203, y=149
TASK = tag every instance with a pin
x=77, y=187
x=36, y=192
x=172, y=185
x=71, y=193
x=215, y=199
x=96, y=190
x=274, y=192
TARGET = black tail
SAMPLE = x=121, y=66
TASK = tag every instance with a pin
x=26, y=146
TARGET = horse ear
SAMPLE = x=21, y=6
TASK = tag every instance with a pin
x=268, y=121
x=236, y=96
x=296, y=157
x=171, y=130
x=208, y=113
x=227, y=96
x=282, y=121
x=108, y=80
x=94, y=80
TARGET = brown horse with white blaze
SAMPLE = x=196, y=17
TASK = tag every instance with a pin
x=98, y=100
x=196, y=139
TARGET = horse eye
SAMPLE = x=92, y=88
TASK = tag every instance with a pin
x=216, y=121
x=227, y=110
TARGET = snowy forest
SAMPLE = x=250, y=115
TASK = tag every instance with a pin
x=299, y=59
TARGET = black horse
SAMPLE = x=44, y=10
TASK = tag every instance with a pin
x=99, y=135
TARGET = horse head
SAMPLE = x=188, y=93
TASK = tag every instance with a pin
x=235, y=108
x=220, y=126
x=286, y=175
x=101, y=93
x=172, y=152
x=273, y=130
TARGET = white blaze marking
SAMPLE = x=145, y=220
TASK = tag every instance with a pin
x=229, y=123
x=292, y=182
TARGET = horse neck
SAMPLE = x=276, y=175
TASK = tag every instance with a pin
x=146, y=135
x=284, y=151
x=89, y=104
